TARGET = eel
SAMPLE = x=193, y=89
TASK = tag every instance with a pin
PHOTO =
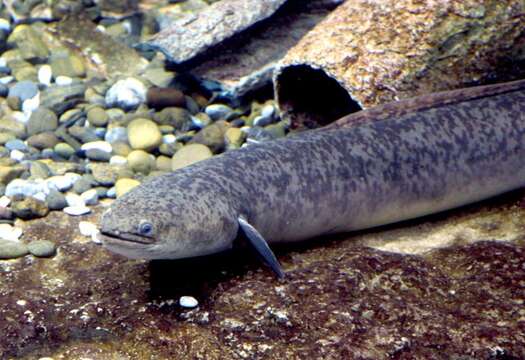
x=388, y=164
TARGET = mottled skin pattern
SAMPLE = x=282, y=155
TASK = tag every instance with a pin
x=333, y=180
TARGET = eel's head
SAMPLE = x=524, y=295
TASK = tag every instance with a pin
x=153, y=221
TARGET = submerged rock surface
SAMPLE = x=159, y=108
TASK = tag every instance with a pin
x=340, y=299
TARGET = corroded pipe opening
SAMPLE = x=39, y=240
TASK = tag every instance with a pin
x=310, y=98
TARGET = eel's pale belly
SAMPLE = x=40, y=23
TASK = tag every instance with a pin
x=393, y=170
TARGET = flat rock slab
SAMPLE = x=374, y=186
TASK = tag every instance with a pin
x=195, y=33
x=442, y=287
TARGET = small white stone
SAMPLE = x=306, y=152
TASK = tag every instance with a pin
x=45, y=74
x=5, y=201
x=9, y=232
x=6, y=79
x=188, y=302
x=26, y=187
x=21, y=302
x=90, y=197
x=169, y=139
x=75, y=200
x=19, y=116
x=87, y=228
x=63, y=80
x=118, y=160
x=17, y=155
x=77, y=210
x=97, y=145
x=5, y=25
x=60, y=183
x=126, y=94
x=111, y=193
x=30, y=105
x=268, y=111
x=40, y=196
x=95, y=237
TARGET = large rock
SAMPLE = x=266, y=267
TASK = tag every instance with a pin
x=190, y=154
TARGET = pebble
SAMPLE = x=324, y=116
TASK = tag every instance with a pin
x=212, y=136
x=190, y=154
x=97, y=116
x=45, y=140
x=218, y=111
x=61, y=183
x=56, y=200
x=77, y=210
x=9, y=173
x=17, y=155
x=74, y=200
x=25, y=188
x=188, y=302
x=144, y=134
x=4, y=201
x=87, y=228
x=201, y=120
x=9, y=232
x=126, y=94
x=42, y=248
x=177, y=117
x=118, y=160
x=163, y=163
x=234, y=138
x=123, y=186
x=112, y=192
x=63, y=80
x=141, y=161
x=116, y=134
x=41, y=120
x=82, y=185
x=23, y=90
x=104, y=173
x=262, y=120
x=90, y=197
x=12, y=249
x=64, y=150
x=45, y=74
x=16, y=144
x=29, y=208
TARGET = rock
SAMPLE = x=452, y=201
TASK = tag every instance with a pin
x=127, y=94
x=262, y=120
x=82, y=185
x=23, y=90
x=90, y=197
x=192, y=105
x=116, y=134
x=45, y=74
x=211, y=136
x=141, y=161
x=218, y=111
x=200, y=120
x=9, y=173
x=62, y=98
x=234, y=138
x=16, y=144
x=12, y=126
x=5, y=137
x=163, y=163
x=188, y=302
x=122, y=149
x=9, y=232
x=25, y=188
x=41, y=120
x=29, y=208
x=14, y=103
x=39, y=170
x=118, y=160
x=144, y=134
x=42, y=248
x=17, y=155
x=12, y=249
x=74, y=200
x=158, y=76
x=83, y=133
x=77, y=210
x=29, y=43
x=104, y=173
x=97, y=116
x=64, y=150
x=190, y=154
x=277, y=130
x=124, y=185
x=56, y=200
x=177, y=117
x=257, y=134
x=159, y=98
x=45, y=140
x=87, y=228
x=63, y=80
x=69, y=65
x=97, y=150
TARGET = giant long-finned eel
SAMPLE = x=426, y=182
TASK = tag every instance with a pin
x=398, y=161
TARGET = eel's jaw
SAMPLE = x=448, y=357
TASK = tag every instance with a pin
x=128, y=248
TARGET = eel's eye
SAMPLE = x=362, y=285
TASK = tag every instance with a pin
x=145, y=228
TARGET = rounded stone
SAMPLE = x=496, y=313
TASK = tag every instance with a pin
x=90, y=197
x=126, y=94
x=64, y=150
x=24, y=90
x=144, y=134
x=42, y=248
x=234, y=138
x=141, y=161
x=188, y=302
x=163, y=163
x=77, y=210
x=121, y=149
x=177, y=117
x=45, y=140
x=212, y=136
x=12, y=249
x=82, y=185
x=41, y=120
x=190, y=154
x=124, y=185
x=218, y=111
x=56, y=200
x=29, y=208
x=97, y=116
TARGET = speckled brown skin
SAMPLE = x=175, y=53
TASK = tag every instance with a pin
x=419, y=162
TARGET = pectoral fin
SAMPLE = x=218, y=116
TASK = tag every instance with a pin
x=261, y=246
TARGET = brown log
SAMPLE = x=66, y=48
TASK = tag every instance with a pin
x=160, y=98
x=370, y=52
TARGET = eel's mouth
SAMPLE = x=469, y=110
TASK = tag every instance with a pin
x=117, y=237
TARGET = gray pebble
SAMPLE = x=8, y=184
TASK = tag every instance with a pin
x=12, y=249
x=116, y=134
x=218, y=111
x=24, y=90
x=56, y=200
x=42, y=120
x=16, y=144
x=42, y=248
x=82, y=185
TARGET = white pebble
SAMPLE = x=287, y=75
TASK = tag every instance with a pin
x=45, y=74
x=77, y=210
x=96, y=238
x=6, y=79
x=9, y=232
x=87, y=228
x=40, y=196
x=188, y=302
x=97, y=145
x=20, y=117
x=26, y=187
x=17, y=155
x=169, y=139
x=21, y=302
x=118, y=160
x=30, y=105
x=268, y=111
x=60, y=183
x=5, y=25
x=90, y=197
x=5, y=201
x=126, y=94
x=63, y=80
x=111, y=193
x=74, y=200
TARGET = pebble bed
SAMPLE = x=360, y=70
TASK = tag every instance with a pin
x=71, y=136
